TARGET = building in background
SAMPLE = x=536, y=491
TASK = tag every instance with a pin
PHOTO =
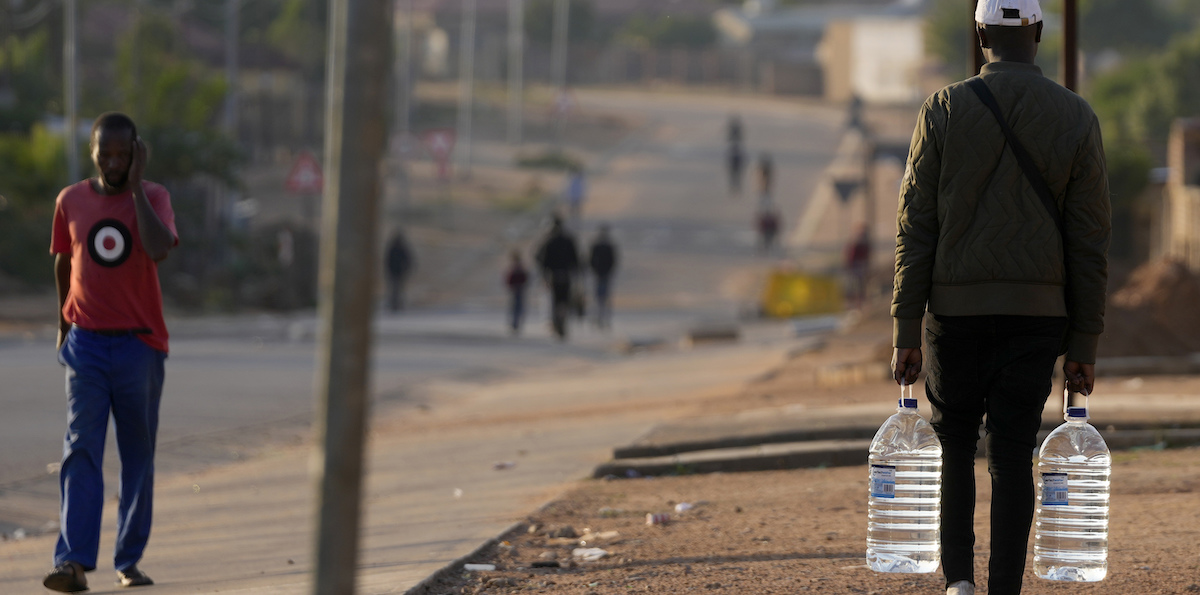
x=872, y=48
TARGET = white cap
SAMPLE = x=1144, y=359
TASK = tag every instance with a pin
x=1008, y=13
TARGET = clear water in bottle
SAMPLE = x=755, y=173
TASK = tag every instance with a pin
x=1071, y=518
x=904, y=506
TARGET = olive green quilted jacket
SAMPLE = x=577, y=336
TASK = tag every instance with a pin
x=972, y=235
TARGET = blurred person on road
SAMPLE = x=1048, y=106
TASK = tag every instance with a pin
x=603, y=259
x=767, y=223
x=1010, y=263
x=516, y=279
x=858, y=260
x=558, y=259
x=576, y=194
x=735, y=156
x=766, y=180
x=108, y=236
x=399, y=266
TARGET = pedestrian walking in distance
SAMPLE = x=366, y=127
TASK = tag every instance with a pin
x=1002, y=239
x=576, y=195
x=603, y=259
x=399, y=265
x=735, y=157
x=558, y=259
x=516, y=279
x=858, y=263
x=108, y=236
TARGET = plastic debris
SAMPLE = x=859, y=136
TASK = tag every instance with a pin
x=502, y=465
x=684, y=507
x=660, y=518
x=478, y=567
x=609, y=512
x=591, y=538
x=458, y=493
x=589, y=554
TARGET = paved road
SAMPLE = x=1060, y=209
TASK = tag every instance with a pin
x=239, y=390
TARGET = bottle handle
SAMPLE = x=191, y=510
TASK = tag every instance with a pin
x=1067, y=400
x=905, y=385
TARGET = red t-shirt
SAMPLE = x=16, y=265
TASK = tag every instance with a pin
x=114, y=284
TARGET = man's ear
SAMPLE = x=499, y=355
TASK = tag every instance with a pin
x=1038, y=38
x=983, y=40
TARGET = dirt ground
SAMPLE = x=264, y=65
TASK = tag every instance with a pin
x=804, y=531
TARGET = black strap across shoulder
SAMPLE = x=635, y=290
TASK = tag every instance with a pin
x=1023, y=159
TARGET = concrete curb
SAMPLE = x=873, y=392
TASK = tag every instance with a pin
x=833, y=453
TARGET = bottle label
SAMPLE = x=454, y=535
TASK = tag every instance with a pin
x=883, y=481
x=1054, y=489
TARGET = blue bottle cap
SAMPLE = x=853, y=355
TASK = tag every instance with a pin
x=908, y=403
x=1077, y=412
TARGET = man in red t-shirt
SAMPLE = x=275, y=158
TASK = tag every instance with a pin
x=109, y=234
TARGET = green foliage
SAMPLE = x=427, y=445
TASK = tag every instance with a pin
x=33, y=92
x=1123, y=25
x=668, y=31
x=947, y=32
x=175, y=100
x=539, y=20
x=553, y=160
x=1138, y=101
x=31, y=168
x=299, y=32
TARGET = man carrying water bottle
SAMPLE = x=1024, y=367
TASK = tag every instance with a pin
x=1002, y=237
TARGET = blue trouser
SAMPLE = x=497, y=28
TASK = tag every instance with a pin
x=123, y=376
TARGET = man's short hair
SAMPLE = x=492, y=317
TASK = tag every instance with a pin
x=113, y=121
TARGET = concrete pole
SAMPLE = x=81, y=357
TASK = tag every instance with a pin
x=558, y=50
x=975, y=59
x=71, y=89
x=357, y=83
x=232, y=29
x=516, y=69
x=1070, y=50
x=466, y=86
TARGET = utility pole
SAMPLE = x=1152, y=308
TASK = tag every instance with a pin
x=516, y=69
x=409, y=31
x=356, y=96
x=558, y=50
x=232, y=30
x=70, y=66
x=975, y=59
x=1070, y=50
x=466, y=84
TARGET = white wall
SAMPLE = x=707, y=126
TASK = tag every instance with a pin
x=886, y=59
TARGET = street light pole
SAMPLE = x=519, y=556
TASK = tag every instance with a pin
x=516, y=68
x=558, y=59
x=466, y=84
x=71, y=91
x=1070, y=51
x=358, y=64
x=232, y=28
x=975, y=59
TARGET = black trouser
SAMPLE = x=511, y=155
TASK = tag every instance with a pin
x=999, y=367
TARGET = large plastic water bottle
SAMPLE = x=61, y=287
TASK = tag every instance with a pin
x=1071, y=519
x=903, y=510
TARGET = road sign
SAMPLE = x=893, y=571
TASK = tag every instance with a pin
x=440, y=143
x=305, y=177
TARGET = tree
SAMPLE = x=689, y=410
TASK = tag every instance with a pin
x=176, y=101
x=539, y=20
x=27, y=86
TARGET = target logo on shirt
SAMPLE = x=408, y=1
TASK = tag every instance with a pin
x=109, y=242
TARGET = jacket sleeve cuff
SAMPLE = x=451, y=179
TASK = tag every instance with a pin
x=1081, y=347
x=906, y=333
